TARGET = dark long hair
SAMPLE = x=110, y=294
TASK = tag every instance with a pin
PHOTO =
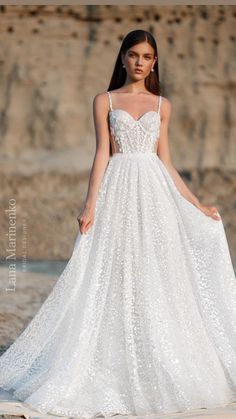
x=152, y=82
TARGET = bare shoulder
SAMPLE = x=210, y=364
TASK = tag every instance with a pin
x=101, y=99
x=101, y=104
x=166, y=106
x=165, y=102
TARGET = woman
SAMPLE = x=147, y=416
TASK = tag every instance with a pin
x=143, y=318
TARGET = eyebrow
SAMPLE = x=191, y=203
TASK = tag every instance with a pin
x=146, y=53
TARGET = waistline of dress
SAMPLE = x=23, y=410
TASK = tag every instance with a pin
x=132, y=153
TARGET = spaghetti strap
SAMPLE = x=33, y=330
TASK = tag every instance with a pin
x=159, y=104
x=110, y=101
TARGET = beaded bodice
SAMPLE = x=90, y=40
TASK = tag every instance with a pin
x=134, y=135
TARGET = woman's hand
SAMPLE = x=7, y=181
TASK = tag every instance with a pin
x=209, y=211
x=86, y=219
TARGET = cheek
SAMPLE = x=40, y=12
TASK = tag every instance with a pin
x=130, y=62
x=147, y=67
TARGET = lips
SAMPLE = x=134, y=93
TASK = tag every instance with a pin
x=138, y=71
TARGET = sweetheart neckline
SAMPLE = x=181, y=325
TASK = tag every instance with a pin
x=135, y=120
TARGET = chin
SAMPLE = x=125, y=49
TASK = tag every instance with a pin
x=139, y=75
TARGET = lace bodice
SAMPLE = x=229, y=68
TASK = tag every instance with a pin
x=134, y=135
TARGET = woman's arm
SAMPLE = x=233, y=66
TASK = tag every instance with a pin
x=102, y=153
x=164, y=154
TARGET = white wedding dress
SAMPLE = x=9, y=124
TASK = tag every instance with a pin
x=143, y=318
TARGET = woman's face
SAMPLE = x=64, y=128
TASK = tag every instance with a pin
x=140, y=56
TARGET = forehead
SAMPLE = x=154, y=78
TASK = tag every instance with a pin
x=142, y=48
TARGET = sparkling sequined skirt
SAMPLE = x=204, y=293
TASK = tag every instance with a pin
x=142, y=320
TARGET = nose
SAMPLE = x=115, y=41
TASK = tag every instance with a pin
x=139, y=61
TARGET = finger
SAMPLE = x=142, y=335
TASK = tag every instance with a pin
x=216, y=212
x=81, y=227
x=216, y=216
x=88, y=226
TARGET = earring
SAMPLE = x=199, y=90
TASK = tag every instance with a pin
x=123, y=66
x=152, y=69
